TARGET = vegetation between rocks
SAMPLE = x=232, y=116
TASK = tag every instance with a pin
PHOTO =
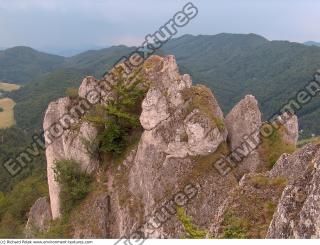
x=192, y=230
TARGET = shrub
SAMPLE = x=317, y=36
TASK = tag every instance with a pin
x=75, y=184
x=189, y=227
x=113, y=139
x=1, y=109
x=120, y=118
x=234, y=227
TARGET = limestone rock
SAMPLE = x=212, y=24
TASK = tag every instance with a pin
x=39, y=218
x=291, y=133
x=249, y=208
x=298, y=212
x=65, y=144
x=93, y=220
x=245, y=120
x=292, y=166
x=182, y=127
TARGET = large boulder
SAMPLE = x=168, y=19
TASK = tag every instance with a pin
x=244, y=120
x=39, y=218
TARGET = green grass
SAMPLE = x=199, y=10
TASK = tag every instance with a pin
x=192, y=230
x=274, y=146
x=251, y=211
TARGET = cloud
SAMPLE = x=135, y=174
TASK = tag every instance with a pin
x=76, y=23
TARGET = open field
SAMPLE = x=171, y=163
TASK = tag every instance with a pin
x=7, y=116
x=8, y=86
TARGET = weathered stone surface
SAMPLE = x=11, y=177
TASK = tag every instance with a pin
x=291, y=133
x=245, y=120
x=65, y=144
x=154, y=109
x=39, y=218
x=249, y=208
x=292, y=166
x=88, y=84
x=92, y=219
x=298, y=212
x=162, y=164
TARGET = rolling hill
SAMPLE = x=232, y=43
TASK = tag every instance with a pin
x=22, y=64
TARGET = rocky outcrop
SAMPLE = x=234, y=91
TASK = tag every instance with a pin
x=298, y=212
x=244, y=120
x=63, y=143
x=183, y=135
x=186, y=131
x=39, y=218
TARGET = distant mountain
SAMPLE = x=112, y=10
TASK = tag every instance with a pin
x=69, y=52
x=34, y=97
x=23, y=64
x=232, y=65
x=312, y=43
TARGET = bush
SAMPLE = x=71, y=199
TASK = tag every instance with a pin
x=75, y=184
x=113, y=139
x=1, y=109
x=120, y=117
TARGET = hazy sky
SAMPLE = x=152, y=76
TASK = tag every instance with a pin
x=76, y=24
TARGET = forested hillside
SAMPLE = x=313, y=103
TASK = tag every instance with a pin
x=23, y=64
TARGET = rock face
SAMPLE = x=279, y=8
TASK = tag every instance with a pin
x=182, y=124
x=92, y=221
x=245, y=120
x=291, y=133
x=63, y=143
x=292, y=166
x=298, y=212
x=249, y=208
x=39, y=218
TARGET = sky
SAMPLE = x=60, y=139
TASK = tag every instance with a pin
x=81, y=24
